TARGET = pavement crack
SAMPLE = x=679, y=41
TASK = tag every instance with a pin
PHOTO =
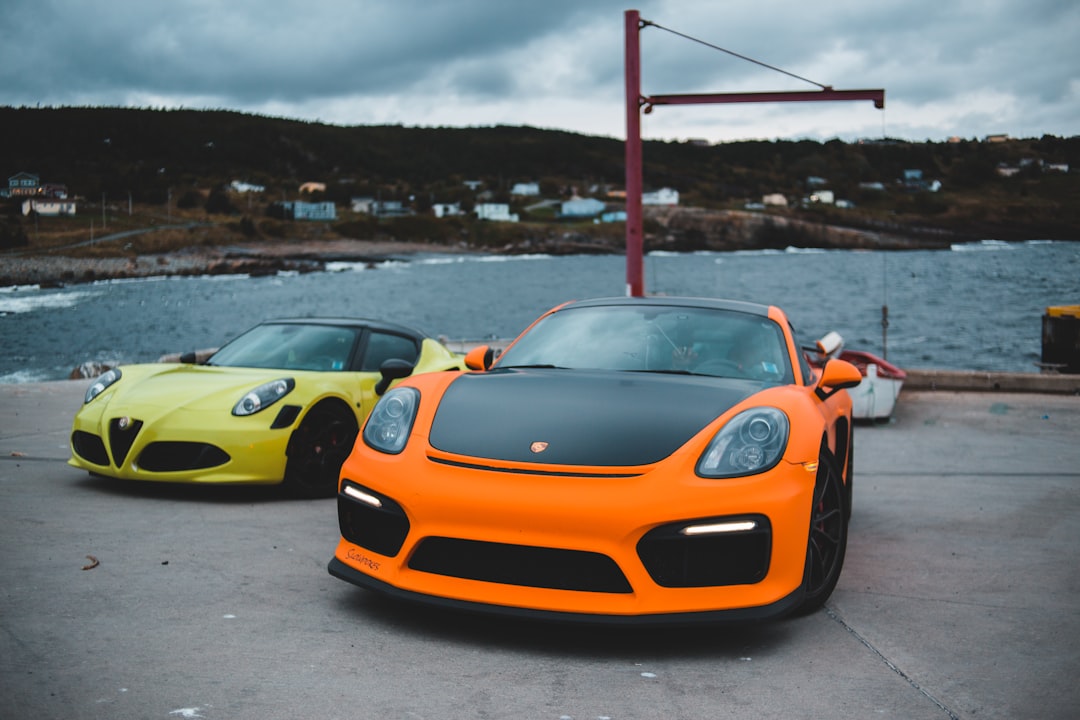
x=889, y=663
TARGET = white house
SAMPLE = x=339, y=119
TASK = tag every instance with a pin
x=48, y=206
x=663, y=196
x=774, y=199
x=529, y=189
x=825, y=197
x=446, y=209
x=244, y=187
x=582, y=207
x=499, y=212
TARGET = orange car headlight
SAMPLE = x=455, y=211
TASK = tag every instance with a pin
x=751, y=442
x=387, y=429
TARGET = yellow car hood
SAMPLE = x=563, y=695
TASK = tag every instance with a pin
x=191, y=387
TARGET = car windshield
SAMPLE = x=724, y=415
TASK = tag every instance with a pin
x=288, y=346
x=652, y=338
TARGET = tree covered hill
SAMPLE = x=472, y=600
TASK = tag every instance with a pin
x=151, y=155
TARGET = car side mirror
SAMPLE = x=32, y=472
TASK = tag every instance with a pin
x=391, y=370
x=480, y=357
x=189, y=358
x=837, y=375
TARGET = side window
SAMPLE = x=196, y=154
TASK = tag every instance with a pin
x=383, y=346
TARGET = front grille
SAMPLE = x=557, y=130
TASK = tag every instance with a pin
x=178, y=456
x=675, y=560
x=519, y=565
x=122, y=438
x=89, y=447
x=379, y=529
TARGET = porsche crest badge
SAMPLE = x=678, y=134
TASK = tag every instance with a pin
x=539, y=446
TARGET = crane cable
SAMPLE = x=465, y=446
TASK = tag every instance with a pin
x=646, y=23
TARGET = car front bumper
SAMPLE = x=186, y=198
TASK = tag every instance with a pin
x=648, y=543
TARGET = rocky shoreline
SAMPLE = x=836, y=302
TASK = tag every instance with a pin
x=56, y=270
x=673, y=229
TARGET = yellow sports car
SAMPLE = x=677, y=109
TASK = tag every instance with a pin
x=648, y=460
x=282, y=402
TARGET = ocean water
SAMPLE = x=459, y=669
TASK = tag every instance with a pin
x=974, y=307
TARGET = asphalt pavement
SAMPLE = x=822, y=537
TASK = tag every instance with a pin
x=959, y=598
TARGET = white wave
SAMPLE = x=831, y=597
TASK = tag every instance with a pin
x=792, y=250
x=26, y=376
x=982, y=246
x=754, y=253
x=14, y=303
x=441, y=260
x=132, y=280
x=512, y=258
x=339, y=266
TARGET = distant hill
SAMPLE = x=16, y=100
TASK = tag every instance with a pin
x=152, y=155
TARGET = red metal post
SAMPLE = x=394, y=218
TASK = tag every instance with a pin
x=635, y=272
x=635, y=275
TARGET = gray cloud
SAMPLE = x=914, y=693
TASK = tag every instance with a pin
x=965, y=67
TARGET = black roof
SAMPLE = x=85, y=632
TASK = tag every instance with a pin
x=382, y=325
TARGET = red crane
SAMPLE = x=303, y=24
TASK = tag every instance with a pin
x=635, y=101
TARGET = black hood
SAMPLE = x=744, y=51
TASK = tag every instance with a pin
x=585, y=417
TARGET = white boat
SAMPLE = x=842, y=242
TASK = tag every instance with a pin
x=875, y=397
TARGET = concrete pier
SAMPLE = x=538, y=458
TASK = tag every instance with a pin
x=959, y=598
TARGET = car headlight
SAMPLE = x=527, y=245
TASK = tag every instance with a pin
x=387, y=429
x=751, y=442
x=263, y=396
x=104, y=381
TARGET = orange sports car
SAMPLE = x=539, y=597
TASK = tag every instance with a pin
x=631, y=460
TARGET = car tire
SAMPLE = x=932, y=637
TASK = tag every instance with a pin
x=826, y=543
x=317, y=450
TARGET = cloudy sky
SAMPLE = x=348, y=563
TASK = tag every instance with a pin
x=966, y=68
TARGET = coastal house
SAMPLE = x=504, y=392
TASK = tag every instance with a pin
x=389, y=208
x=663, y=196
x=244, y=187
x=582, y=207
x=442, y=210
x=774, y=200
x=22, y=184
x=312, y=187
x=526, y=189
x=299, y=210
x=56, y=191
x=48, y=207
x=824, y=197
x=496, y=212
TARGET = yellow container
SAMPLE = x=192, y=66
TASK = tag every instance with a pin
x=1063, y=311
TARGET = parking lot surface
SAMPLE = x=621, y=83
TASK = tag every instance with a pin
x=959, y=598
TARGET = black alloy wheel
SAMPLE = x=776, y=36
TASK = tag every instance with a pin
x=827, y=542
x=317, y=450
